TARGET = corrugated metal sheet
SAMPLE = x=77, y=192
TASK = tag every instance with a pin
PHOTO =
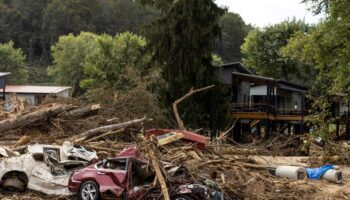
x=4, y=74
x=32, y=89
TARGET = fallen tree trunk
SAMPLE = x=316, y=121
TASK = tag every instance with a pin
x=81, y=112
x=30, y=118
x=82, y=136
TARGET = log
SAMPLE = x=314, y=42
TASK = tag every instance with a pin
x=82, y=136
x=81, y=112
x=30, y=118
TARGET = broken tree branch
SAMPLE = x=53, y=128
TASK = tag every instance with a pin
x=105, y=134
x=82, y=136
x=225, y=134
x=190, y=93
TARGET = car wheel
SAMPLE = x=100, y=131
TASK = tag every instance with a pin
x=13, y=184
x=182, y=197
x=89, y=191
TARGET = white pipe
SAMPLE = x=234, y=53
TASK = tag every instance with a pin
x=291, y=172
x=333, y=175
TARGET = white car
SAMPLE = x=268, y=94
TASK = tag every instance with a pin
x=44, y=168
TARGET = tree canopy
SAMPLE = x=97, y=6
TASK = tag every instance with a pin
x=115, y=64
x=36, y=25
x=89, y=61
x=327, y=47
x=234, y=30
x=69, y=56
x=262, y=52
x=12, y=60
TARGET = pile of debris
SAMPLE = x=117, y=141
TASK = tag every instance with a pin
x=78, y=134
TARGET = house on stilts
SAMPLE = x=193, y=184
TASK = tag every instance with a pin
x=263, y=105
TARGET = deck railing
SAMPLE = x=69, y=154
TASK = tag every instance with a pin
x=266, y=108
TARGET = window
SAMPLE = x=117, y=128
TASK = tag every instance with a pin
x=52, y=153
x=115, y=164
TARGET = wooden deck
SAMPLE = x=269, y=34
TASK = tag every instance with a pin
x=264, y=115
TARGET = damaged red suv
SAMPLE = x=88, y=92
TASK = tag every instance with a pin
x=132, y=178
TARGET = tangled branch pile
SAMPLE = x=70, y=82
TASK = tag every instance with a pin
x=108, y=131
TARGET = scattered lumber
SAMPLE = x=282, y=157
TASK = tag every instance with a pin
x=160, y=177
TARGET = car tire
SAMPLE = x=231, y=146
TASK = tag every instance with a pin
x=182, y=197
x=89, y=191
x=13, y=184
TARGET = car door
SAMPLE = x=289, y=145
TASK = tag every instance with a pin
x=41, y=179
x=141, y=179
x=111, y=176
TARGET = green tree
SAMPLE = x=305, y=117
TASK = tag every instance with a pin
x=12, y=60
x=234, y=30
x=262, y=51
x=69, y=56
x=182, y=40
x=115, y=65
x=34, y=26
x=328, y=46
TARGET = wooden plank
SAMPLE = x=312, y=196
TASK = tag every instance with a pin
x=169, y=138
x=159, y=175
x=252, y=115
x=263, y=115
x=289, y=117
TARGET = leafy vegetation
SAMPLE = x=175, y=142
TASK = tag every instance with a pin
x=327, y=47
x=12, y=60
x=262, y=51
x=34, y=26
x=69, y=56
x=89, y=61
x=234, y=30
x=115, y=64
